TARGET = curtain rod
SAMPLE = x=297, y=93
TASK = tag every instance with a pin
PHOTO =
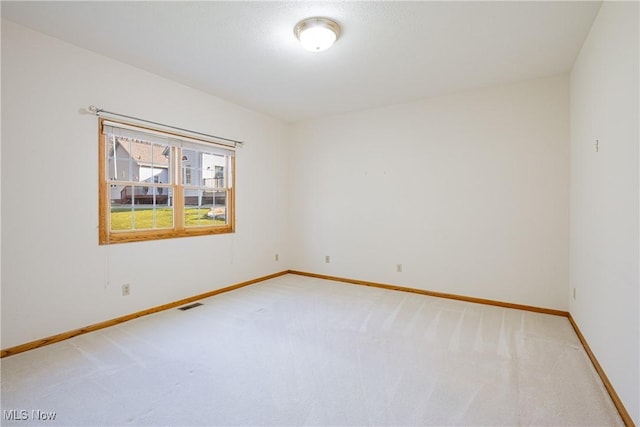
x=97, y=111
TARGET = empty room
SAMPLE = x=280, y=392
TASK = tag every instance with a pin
x=320, y=213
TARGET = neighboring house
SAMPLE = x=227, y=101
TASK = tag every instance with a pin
x=138, y=161
x=203, y=170
x=144, y=162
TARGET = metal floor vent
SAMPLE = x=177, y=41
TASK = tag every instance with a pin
x=190, y=306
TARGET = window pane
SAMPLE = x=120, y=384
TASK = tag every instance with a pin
x=120, y=167
x=187, y=174
x=121, y=213
x=143, y=217
x=219, y=177
x=205, y=208
x=196, y=207
x=201, y=209
x=110, y=147
x=116, y=193
x=121, y=219
x=161, y=164
x=163, y=208
x=220, y=206
x=213, y=170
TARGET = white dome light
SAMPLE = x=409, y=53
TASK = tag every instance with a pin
x=317, y=34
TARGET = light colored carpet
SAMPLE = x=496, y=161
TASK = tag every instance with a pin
x=301, y=351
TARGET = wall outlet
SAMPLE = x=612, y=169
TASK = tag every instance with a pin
x=327, y=259
x=277, y=257
x=126, y=289
x=399, y=268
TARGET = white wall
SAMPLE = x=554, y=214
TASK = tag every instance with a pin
x=55, y=276
x=470, y=192
x=604, y=196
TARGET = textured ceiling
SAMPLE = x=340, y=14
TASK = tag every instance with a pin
x=388, y=53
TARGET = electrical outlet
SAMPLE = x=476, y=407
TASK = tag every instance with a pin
x=126, y=289
x=327, y=259
x=277, y=257
x=399, y=268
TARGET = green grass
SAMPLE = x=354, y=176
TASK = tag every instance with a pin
x=143, y=218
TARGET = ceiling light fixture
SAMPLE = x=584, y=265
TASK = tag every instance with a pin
x=317, y=34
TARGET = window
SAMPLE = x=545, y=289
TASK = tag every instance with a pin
x=158, y=185
x=187, y=173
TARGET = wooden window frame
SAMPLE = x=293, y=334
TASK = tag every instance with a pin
x=107, y=237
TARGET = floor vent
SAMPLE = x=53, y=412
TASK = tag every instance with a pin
x=190, y=306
